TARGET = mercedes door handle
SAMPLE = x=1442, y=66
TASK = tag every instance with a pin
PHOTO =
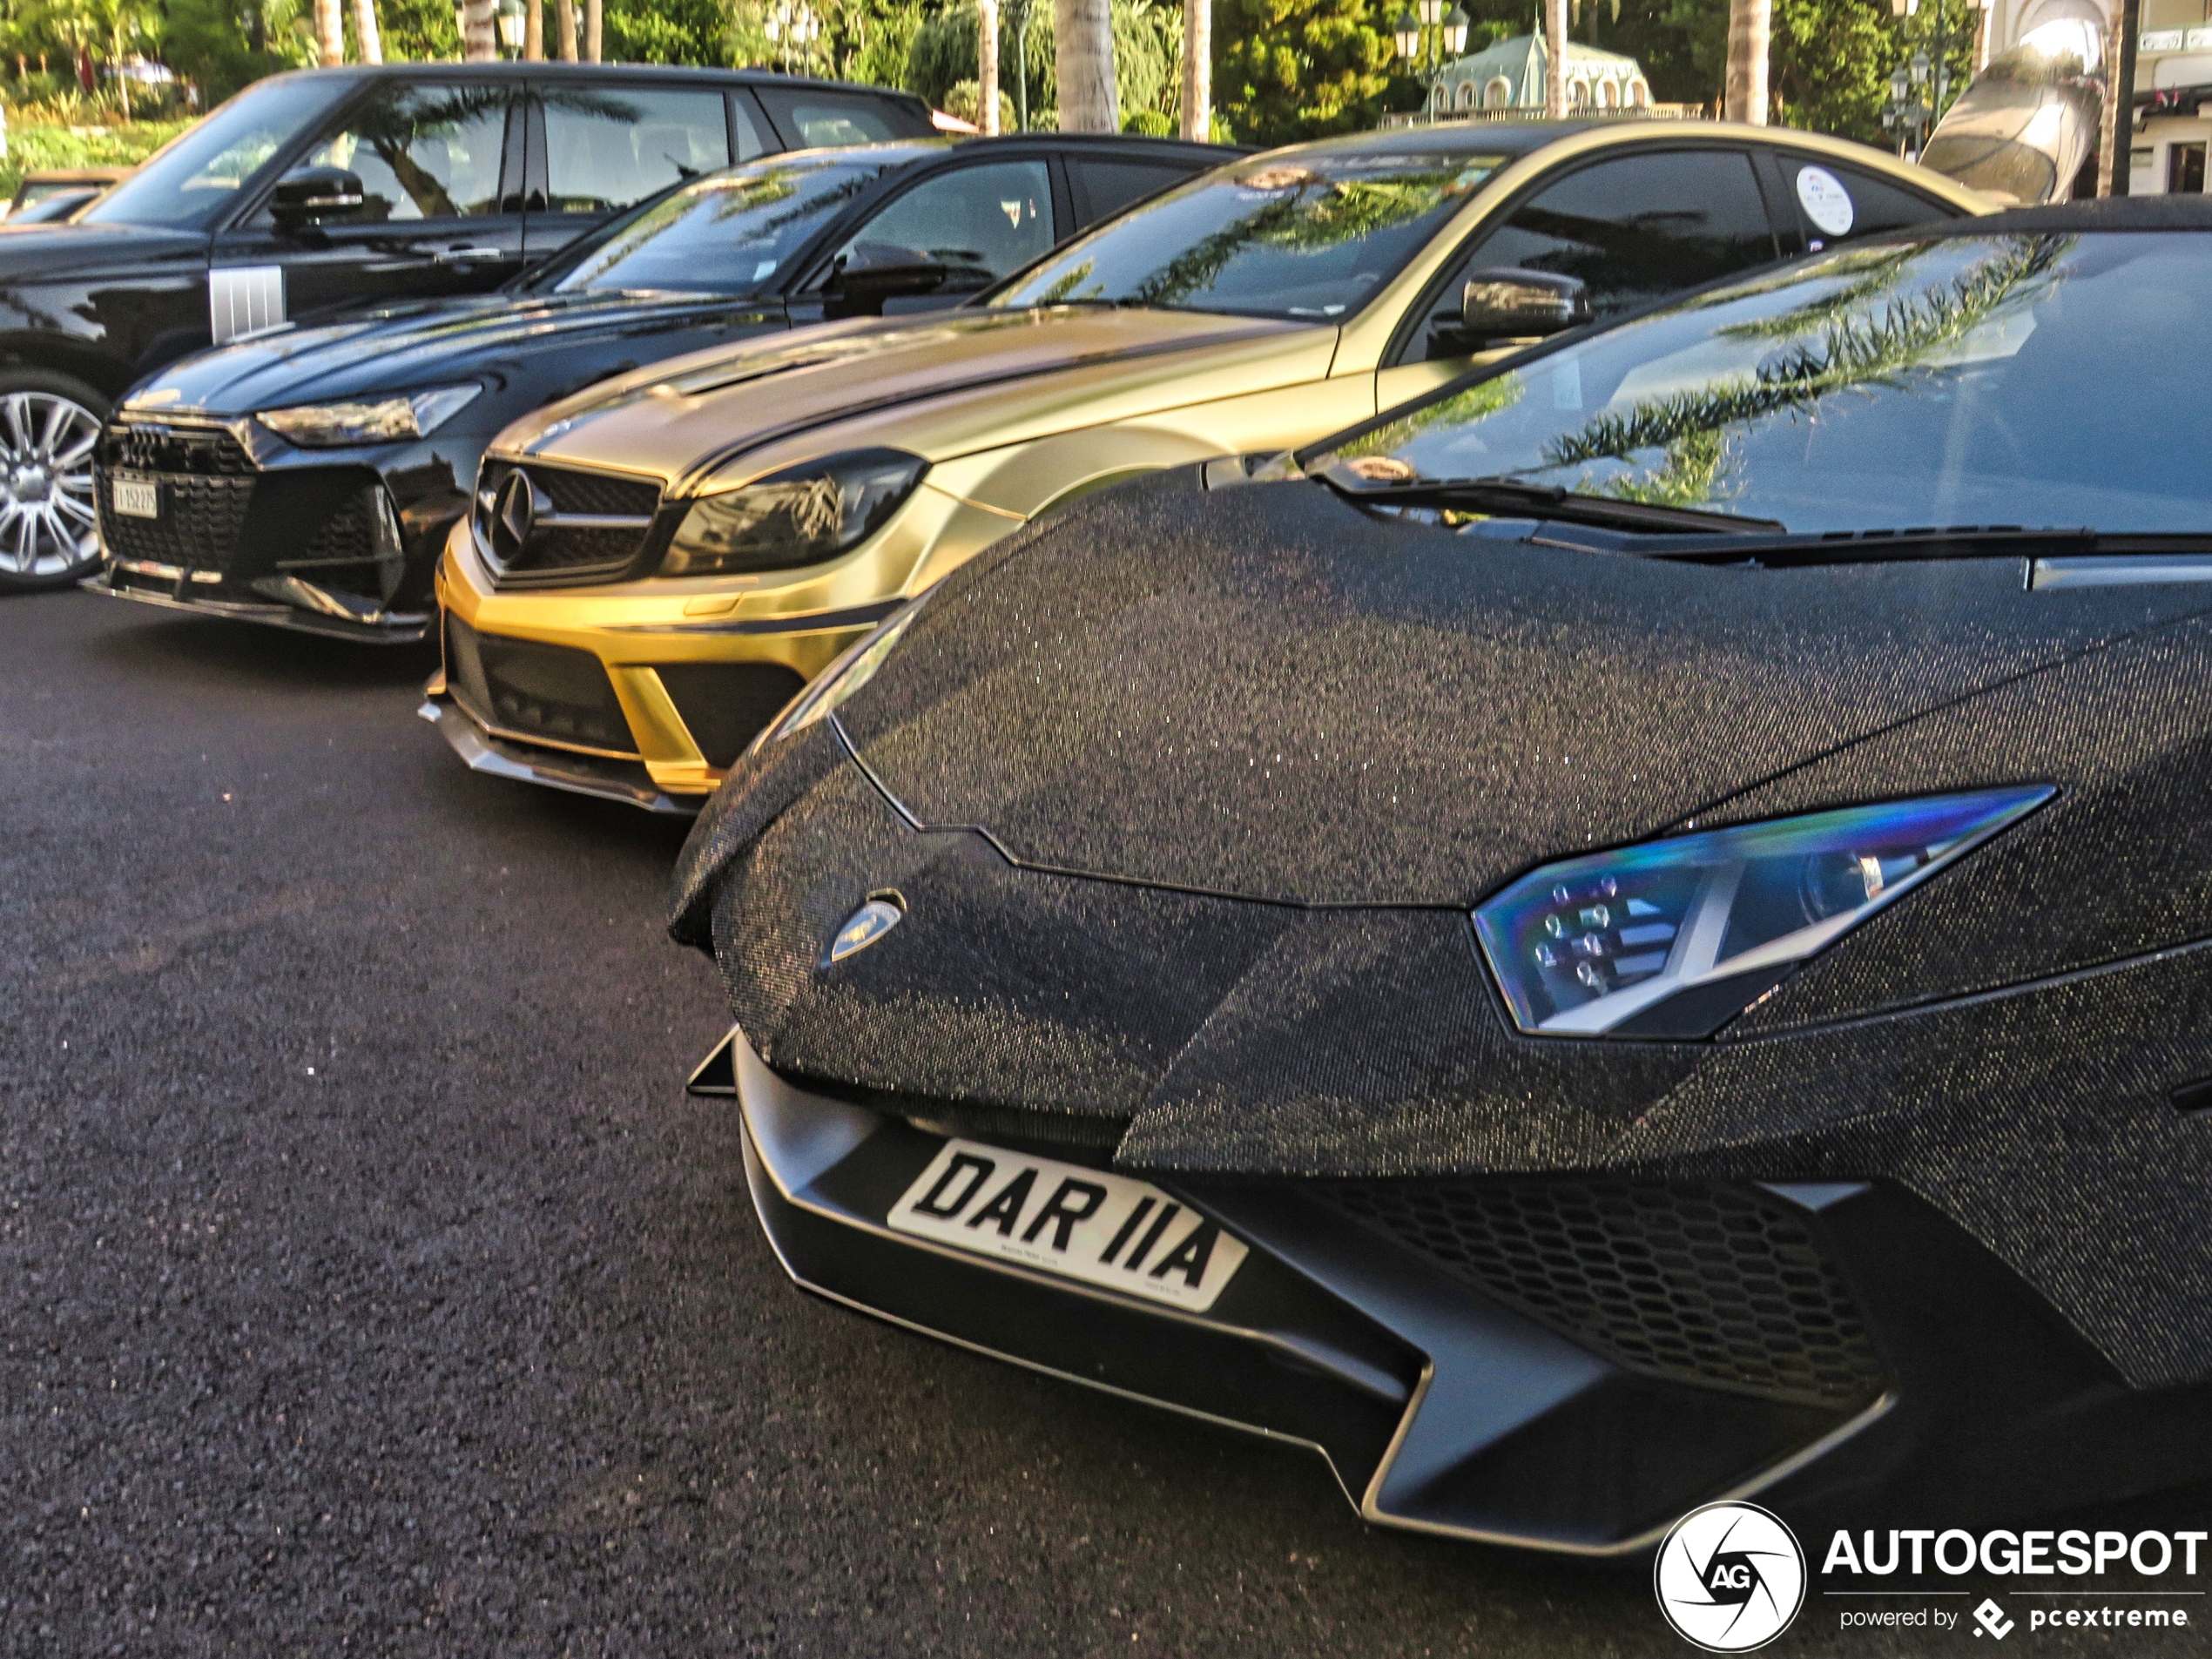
x=468, y=255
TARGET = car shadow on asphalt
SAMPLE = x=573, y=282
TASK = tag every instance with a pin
x=246, y=653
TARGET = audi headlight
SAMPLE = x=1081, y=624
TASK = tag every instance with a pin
x=389, y=419
x=801, y=516
x=1674, y=938
x=854, y=667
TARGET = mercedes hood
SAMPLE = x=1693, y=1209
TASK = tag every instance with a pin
x=494, y=339
x=939, y=385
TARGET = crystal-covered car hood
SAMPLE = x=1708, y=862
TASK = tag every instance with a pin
x=1265, y=692
x=1185, y=797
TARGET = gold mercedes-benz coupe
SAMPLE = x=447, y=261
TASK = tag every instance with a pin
x=653, y=568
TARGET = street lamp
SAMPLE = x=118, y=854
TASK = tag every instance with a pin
x=1426, y=36
x=1406, y=35
x=1920, y=86
x=792, y=31
x=510, y=24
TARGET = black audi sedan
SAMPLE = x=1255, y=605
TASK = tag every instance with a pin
x=326, y=189
x=309, y=478
x=1632, y=932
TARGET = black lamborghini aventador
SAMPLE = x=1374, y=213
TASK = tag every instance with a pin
x=1632, y=932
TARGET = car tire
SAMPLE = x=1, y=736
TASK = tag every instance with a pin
x=49, y=523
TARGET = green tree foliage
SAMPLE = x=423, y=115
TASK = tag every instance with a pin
x=423, y=31
x=210, y=43
x=1147, y=64
x=1296, y=69
x=1831, y=62
x=31, y=148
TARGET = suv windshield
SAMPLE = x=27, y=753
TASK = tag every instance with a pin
x=731, y=232
x=1977, y=381
x=1309, y=234
x=192, y=178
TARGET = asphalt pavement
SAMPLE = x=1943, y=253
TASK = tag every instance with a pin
x=369, y=1284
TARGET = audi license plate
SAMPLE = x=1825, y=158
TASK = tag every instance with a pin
x=1071, y=1222
x=136, y=497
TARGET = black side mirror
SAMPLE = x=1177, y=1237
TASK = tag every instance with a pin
x=310, y=195
x=874, y=271
x=1505, y=304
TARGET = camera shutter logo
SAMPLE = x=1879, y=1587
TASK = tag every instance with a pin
x=1729, y=1577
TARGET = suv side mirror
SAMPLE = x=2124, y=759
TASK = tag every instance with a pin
x=1505, y=304
x=874, y=271
x=309, y=195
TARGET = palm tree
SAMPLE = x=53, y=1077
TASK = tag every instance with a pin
x=987, y=65
x=330, y=32
x=1083, y=50
x=366, y=33
x=479, y=31
x=1197, y=70
x=1743, y=97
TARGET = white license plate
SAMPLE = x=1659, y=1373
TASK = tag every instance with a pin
x=136, y=497
x=1069, y=1221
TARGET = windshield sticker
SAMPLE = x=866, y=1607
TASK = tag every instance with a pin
x=1827, y=203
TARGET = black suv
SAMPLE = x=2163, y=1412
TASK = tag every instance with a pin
x=317, y=191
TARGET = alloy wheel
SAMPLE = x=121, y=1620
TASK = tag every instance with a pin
x=48, y=524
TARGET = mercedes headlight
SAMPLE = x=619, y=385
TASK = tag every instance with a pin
x=854, y=667
x=388, y=420
x=801, y=516
x=1674, y=938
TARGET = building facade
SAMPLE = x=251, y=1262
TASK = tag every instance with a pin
x=1509, y=77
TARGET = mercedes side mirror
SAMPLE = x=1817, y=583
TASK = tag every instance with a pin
x=309, y=195
x=1509, y=305
x=874, y=272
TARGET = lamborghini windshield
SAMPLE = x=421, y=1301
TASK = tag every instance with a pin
x=729, y=232
x=1976, y=380
x=1309, y=234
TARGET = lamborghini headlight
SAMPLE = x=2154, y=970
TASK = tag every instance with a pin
x=1674, y=938
x=389, y=419
x=801, y=516
x=854, y=667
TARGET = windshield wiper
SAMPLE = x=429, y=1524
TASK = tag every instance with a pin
x=1512, y=496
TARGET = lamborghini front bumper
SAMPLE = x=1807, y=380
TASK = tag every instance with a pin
x=1445, y=1409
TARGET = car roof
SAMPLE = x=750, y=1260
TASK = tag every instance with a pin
x=509, y=70
x=2105, y=213
x=949, y=148
x=1119, y=143
x=1518, y=138
x=1449, y=139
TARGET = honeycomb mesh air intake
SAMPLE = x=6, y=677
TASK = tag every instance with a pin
x=1710, y=1285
